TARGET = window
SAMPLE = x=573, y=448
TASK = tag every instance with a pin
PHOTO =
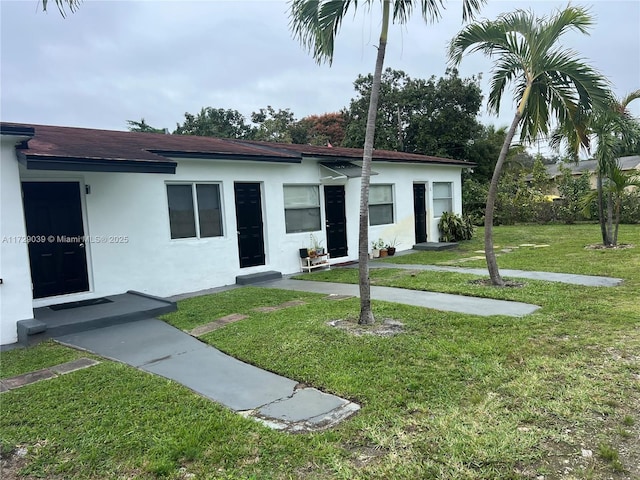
x=194, y=210
x=301, y=208
x=380, y=204
x=442, y=198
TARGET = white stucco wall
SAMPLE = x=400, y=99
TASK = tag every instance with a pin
x=15, y=290
x=130, y=211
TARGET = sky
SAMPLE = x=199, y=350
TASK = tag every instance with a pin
x=113, y=61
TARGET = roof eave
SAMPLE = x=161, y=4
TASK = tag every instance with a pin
x=227, y=156
x=84, y=164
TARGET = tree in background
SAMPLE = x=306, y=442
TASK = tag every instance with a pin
x=272, y=125
x=316, y=23
x=615, y=133
x=433, y=117
x=143, y=127
x=322, y=130
x=549, y=83
x=214, y=122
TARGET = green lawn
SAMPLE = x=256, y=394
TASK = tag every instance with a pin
x=454, y=396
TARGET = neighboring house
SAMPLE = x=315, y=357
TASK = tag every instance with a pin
x=88, y=213
x=627, y=164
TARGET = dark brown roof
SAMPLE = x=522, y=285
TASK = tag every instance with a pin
x=67, y=144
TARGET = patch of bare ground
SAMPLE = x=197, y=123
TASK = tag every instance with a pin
x=599, y=246
x=486, y=282
x=387, y=328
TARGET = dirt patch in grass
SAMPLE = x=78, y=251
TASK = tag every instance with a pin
x=486, y=282
x=387, y=328
x=599, y=246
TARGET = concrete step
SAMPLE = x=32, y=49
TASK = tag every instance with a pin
x=435, y=246
x=127, y=307
x=258, y=277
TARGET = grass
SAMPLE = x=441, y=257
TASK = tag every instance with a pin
x=455, y=396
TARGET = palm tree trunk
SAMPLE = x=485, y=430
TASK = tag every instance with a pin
x=617, y=225
x=490, y=255
x=610, y=216
x=366, y=314
x=603, y=224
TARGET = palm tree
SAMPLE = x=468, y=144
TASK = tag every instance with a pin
x=316, y=23
x=550, y=83
x=614, y=131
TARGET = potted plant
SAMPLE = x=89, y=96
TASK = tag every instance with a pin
x=316, y=245
x=375, y=251
x=391, y=247
x=378, y=249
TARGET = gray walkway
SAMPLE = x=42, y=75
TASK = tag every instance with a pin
x=156, y=347
x=570, y=278
x=437, y=301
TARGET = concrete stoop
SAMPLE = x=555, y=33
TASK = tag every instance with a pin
x=259, y=277
x=57, y=320
x=435, y=246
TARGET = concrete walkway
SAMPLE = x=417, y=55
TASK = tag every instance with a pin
x=438, y=301
x=156, y=347
x=570, y=278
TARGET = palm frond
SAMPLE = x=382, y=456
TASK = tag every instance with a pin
x=62, y=4
x=315, y=23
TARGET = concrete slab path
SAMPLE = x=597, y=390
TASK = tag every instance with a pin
x=438, y=301
x=156, y=347
x=570, y=278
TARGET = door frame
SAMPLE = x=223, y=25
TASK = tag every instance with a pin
x=44, y=301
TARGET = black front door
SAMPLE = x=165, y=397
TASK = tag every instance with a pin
x=336, y=221
x=420, y=211
x=53, y=216
x=249, y=219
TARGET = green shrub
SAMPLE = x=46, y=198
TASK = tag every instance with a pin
x=454, y=228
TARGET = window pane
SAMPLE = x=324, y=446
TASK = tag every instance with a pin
x=209, y=211
x=380, y=194
x=301, y=196
x=380, y=214
x=181, y=217
x=441, y=205
x=442, y=190
x=302, y=219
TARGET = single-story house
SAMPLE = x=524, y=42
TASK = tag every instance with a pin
x=89, y=213
x=627, y=164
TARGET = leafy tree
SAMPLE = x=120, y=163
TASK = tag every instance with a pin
x=434, y=116
x=272, y=125
x=392, y=114
x=483, y=150
x=445, y=121
x=215, y=122
x=325, y=129
x=572, y=190
x=316, y=23
x=142, y=126
x=549, y=82
x=540, y=179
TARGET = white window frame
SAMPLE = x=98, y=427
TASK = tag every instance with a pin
x=302, y=207
x=438, y=210
x=196, y=209
x=391, y=203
